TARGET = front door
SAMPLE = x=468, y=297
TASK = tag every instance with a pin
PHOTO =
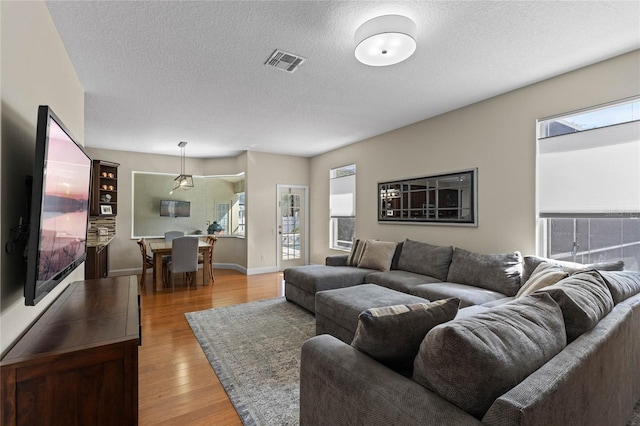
x=292, y=226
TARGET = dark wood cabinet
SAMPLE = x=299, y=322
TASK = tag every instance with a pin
x=104, y=189
x=78, y=364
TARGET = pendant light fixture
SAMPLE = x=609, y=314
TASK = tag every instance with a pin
x=183, y=181
x=385, y=40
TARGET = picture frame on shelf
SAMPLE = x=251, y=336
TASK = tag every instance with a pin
x=105, y=209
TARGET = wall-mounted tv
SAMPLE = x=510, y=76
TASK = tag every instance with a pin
x=174, y=208
x=59, y=207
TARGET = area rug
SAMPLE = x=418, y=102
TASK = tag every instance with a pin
x=254, y=349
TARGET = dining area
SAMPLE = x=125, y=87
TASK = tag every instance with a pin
x=177, y=258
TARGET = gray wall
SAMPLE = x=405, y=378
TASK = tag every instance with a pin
x=36, y=70
x=497, y=135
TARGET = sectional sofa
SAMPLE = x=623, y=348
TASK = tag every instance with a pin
x=424, y=270
x=560, y=347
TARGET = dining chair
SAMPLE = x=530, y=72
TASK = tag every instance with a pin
x=172, y=235
x=147, y=260
x=211, y=240
x=184, y=259
x=206, y=258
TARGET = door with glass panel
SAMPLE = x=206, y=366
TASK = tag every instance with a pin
x=292, y=226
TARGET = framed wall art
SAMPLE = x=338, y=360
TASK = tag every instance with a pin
x=443, y=199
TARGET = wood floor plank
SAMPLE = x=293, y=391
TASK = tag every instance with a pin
x=176, y=383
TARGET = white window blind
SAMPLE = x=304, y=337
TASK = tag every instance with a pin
x=592, y=173
x=342, y=196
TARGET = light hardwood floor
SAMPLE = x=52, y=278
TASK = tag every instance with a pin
x=177, y=386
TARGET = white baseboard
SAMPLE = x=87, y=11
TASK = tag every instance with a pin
x=266, y=270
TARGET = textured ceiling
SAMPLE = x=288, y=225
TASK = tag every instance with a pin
x=156, y=73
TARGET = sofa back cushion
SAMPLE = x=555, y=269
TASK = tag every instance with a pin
x=473, y=360
x=621, y=284
x=545, y=274
x=425, y=259
x=378, y=255
x=392, y=334
x=497, y=272
x=584, y=299
x=532, y=262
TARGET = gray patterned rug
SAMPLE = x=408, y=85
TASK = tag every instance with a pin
x=254, y=348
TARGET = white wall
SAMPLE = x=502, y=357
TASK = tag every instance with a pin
x=497, y=135
x=36, y=70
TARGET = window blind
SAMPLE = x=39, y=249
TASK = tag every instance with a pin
x=594, y=173
x=342, y=196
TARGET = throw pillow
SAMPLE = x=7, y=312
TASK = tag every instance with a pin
x=532, y=262
x=378, y=255
x=471, y=361
x=584, y=299
x=357, y=248
x=544, y=275
x=425, y=259
x=497, y=272
x=621, y=284
x=392, y=334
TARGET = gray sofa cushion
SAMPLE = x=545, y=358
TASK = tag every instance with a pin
x=342, y=306
x=313, y=278
x=621, y=284
x=584, y=299
x=392, y=334
x=425, y=259
x=532, y=262
x=398, y=280
x=473, y=360
x=378, y=255
x=336, y=260
x=497, y=272
x=544, y=275
x=468, y=295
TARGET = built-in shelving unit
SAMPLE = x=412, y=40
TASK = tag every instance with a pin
x=104, y=190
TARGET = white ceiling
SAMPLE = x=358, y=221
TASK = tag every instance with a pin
x=156, y=73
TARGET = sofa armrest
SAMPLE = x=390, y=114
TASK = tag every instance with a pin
x=338, y=260
x=340, y=385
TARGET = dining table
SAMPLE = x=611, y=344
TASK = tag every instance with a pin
x=163, y=248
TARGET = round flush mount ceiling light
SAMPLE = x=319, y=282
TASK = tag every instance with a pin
x=385, y=40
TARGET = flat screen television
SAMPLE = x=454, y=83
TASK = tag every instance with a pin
x=59, y=215
x=174, y=208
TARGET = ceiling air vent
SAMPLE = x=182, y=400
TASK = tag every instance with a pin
x=284, y=61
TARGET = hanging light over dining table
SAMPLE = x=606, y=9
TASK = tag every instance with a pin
x=184, y=181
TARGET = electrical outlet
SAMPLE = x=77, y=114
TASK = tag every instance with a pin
x=262, y=257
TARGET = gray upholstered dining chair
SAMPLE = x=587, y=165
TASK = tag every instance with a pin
x=184, y=259
x=172, y=235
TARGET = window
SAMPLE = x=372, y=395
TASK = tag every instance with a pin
x=222, y=217
x=241, y=213
x=342, y=205
x=588, y=184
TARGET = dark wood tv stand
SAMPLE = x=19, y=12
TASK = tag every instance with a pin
x=78, y=363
